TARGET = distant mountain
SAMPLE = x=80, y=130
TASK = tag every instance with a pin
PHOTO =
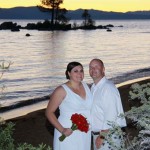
x=23, y=13
x=35, y=13
x=97, y=14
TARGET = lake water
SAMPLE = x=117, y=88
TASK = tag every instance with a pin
x=39, y=61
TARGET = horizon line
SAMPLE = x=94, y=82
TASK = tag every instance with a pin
x=78, y=9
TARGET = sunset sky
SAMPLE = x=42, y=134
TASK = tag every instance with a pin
x=105, y=5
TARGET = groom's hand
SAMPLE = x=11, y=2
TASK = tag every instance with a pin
x=99, y=142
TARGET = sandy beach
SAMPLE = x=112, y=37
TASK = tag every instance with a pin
x=33, y=128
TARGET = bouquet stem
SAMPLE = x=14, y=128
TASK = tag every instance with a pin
x=62, y=137
x=73, y=127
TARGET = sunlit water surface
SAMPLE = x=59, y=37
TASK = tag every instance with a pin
x=39, y=61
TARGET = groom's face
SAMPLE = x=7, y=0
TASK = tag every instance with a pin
x=96, y=70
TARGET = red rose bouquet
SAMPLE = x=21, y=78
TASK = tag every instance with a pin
x=79, y=122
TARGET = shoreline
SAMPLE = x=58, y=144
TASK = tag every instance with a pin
x=25, y=110
x=119, y=80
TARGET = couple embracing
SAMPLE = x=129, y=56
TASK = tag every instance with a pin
x=99, y=104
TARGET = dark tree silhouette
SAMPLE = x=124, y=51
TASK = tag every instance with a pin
x=61, y=18
x=54, y=6
x=87, y=18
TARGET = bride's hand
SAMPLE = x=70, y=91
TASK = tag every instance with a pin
x=67, y=131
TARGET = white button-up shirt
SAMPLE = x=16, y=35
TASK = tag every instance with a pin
x=106, y=106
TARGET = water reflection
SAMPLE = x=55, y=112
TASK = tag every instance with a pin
x=40, y=60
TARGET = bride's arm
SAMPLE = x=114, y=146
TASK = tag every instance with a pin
x=55, y=100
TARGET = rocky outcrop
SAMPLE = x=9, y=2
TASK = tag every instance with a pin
x=47, y=26
x=10, y=26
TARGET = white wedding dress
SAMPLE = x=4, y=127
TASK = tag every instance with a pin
x=72, y=104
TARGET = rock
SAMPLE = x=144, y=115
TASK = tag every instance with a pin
x=109, y=30
x=28, y=34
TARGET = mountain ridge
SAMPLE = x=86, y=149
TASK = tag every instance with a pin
x=34, y=13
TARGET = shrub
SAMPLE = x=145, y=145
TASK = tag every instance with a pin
x=140, y=116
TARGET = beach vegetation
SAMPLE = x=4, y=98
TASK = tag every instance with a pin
x=4, y=66
x=140, y=118
x=7, y=141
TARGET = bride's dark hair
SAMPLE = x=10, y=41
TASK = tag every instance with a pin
x=70, y=66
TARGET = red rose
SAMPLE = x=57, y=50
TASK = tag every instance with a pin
x=79, y=122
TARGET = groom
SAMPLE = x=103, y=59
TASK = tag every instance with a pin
x=106, y=106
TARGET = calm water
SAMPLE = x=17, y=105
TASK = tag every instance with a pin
x=39, y=61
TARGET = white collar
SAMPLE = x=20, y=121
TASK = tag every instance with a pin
x=101, y=81
x=99, y=84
